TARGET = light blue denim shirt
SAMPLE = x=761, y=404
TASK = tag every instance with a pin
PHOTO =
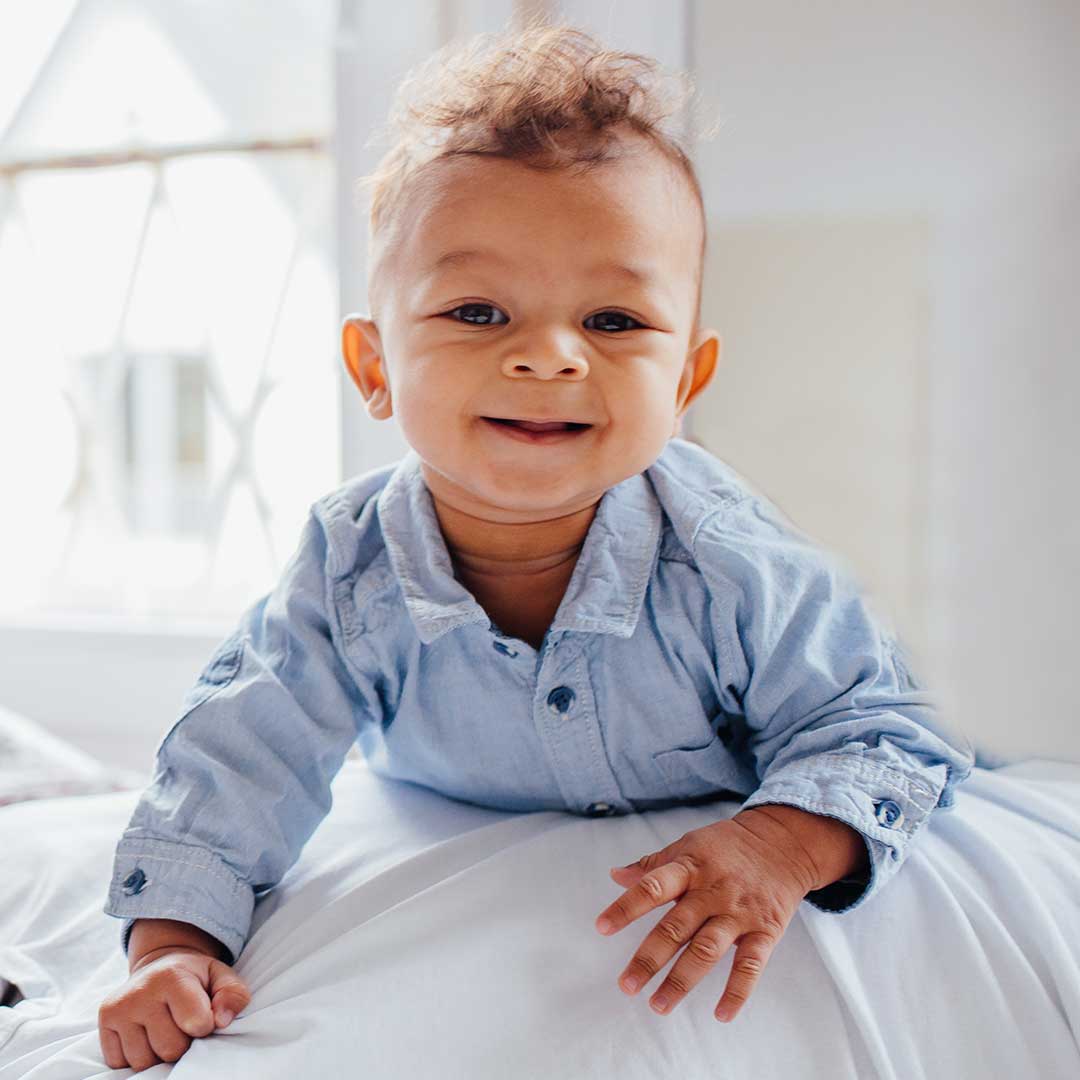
x=704, y=648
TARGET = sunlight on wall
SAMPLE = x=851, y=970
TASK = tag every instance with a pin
x=168, y=390
x=23, y=47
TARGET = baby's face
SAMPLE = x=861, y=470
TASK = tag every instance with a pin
x=536, y=322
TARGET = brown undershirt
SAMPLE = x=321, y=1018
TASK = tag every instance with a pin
x=517, y=572
x=520, y=605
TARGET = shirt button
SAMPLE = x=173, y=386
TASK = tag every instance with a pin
x=135, y=882
x=889, y=814
x=502, y=647
x=599, y=809
x=560, y=699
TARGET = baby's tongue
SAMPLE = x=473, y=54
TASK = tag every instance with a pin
x=533, y=425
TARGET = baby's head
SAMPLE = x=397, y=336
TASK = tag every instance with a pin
x=536, y=250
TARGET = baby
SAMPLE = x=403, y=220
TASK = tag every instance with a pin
x=552, y=601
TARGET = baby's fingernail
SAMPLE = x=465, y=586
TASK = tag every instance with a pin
x=224, y=1018
x=603, y=925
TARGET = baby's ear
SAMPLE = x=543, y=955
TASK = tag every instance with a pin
x=361, y=348
x=697, y=372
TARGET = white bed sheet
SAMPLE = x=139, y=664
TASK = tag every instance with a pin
x=421, y=936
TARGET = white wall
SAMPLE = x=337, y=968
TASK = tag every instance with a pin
x=893, y=203
x=820, y=396
x=843, y=117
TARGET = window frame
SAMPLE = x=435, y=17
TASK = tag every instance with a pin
x=111, y=683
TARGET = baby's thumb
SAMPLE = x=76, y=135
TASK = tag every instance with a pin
x=229, y=994
x=646, y=862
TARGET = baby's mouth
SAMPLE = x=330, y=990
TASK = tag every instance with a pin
x=536, y=431
x=537, y=425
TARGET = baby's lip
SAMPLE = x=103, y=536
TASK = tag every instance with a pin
x=544, y=420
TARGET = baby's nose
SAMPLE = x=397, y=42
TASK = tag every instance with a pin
x=546, y=365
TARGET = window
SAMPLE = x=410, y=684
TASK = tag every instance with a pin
x=169, y=387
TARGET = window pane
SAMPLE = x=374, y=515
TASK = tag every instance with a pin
x=168, y=387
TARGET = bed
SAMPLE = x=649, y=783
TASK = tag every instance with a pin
x=419, y=936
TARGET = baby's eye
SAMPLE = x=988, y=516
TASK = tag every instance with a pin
x=478, y=310
x=478, y=315
x=607, y=316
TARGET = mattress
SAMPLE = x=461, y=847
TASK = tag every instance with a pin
x=418, y=935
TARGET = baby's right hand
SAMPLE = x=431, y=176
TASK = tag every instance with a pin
x=166, y=1000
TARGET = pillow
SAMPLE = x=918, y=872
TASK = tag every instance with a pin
x=35, y=764
x=421, y=936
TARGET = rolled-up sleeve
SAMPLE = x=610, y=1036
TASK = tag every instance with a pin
x=835, y=722
x=242, y=778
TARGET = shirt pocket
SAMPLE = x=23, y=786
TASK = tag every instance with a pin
x=692, y=771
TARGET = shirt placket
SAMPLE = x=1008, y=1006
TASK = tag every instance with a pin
x=565, y=716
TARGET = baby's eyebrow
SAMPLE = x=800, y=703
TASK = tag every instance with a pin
x=643, y=276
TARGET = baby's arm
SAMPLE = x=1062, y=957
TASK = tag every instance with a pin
x=243, y=777
x=835, y=724
x=849, y=753
x=241, y=780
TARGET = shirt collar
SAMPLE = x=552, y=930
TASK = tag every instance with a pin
x=605, y=591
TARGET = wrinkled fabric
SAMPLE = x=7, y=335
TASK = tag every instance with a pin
x=419, y=936
x=704, y=649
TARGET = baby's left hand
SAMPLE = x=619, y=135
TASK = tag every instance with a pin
x=738, y=880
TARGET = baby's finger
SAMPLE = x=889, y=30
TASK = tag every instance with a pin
x=137, y=1052
x=166, y=1039
x=650, y=861
x=189, y=1006
x=705, y=949
x=659, y=886
x=111, y=1050
x=228, y=992
x=675, y=929
x=751, y=955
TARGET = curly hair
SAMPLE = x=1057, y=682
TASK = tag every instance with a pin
x=549, y=95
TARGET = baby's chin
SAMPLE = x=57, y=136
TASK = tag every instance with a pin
x=512, y=493
x=536, y=496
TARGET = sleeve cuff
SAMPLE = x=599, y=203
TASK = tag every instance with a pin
x=886, y=806
x=164, y=879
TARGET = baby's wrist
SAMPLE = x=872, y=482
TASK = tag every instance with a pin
x=831, y=848
x=165, y=950
x=156, y=936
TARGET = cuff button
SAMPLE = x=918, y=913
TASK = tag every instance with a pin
x=135, y=882
x=889, y=814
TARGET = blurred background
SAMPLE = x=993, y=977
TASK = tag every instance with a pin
x=893, y=196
